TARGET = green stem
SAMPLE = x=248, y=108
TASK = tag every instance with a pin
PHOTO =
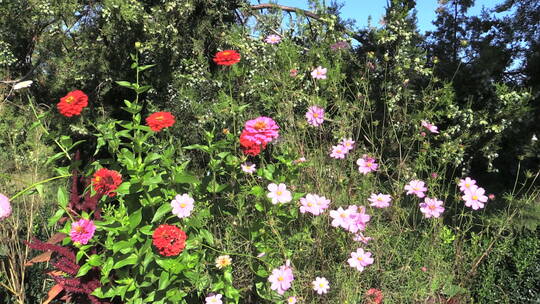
x=36, y=184
x=47, y=132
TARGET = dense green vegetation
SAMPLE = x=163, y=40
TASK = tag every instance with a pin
x=475, y=77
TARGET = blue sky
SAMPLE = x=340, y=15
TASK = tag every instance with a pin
x=360, y=10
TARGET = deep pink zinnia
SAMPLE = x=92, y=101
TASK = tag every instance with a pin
x=261, y=130
x=82, y=231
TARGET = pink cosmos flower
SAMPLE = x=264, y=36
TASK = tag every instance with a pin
x=261, y=130
x=380, y=200
x=248, y=168
x=315, y=116
x=360, y=259
x=366, y=164
x=182, y=205
x=341, y=217
x=348, y=144
x=321, y=285
x=359, y=237
x=314, y=204
x=430, y=127
x=281, y=279
x=300, y=160
x=272, y=39
x=214, y=299
x=319, y=73
x=474, y=197
x=291, y=300
x=466, y=184
x=82, y=231
x=338, y=151
x=358, y=219
x=5, y=207
x=416, y=187
x=279, y=193
x=431, y=207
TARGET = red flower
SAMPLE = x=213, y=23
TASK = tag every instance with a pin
x=374, y=296
x=169, y=240
x=160, y=120
x=105, y=181
x=227, y=57
x=249, y=147
x=72, y=103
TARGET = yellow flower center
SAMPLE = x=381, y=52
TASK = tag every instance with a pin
x=97, y=179
x=310, y=204
x=416, y=188
x=315, y=115
x=475, y=197
x=79, y=229
x=360, y=258
x=225, y=53
x=183, y=205
x=431, y=207
x=321, y=285
x=279, y=193
x=379, y=199
x=259, y=125
x=70, y=99
x=343, y=215
x=368, y=165
x=159, y=118
x=280, y=278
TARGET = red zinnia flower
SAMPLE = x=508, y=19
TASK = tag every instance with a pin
x=227, y=57
x=169, y=240
x=374, y=296
x=249, y=147
x=160, y=120
x=105, y=181
x=72, y=103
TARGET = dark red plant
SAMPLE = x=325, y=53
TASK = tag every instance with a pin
x=76, y=290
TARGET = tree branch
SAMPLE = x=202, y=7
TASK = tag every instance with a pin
x=285, y=8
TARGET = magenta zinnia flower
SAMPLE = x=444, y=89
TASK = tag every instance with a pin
x=261, y=130
x=82, y=231
x=281, y=279
x=431, y=207
x=416, y=187
x=5, y=207
x=360, y=259
x=315, y=116
x=380, y=200
x=474, y=197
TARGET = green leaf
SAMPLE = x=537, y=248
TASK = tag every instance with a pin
x=83, y=270
x=197, y=147
x=54, y=219
x=135, y=219
x=123, y=188
x=185, y=178
x=207, y=236
x=163, y=280
x=131, y=260
x=94, y=260
x=258, y=191
x=126, y=84
x=144, y=67
x=162, y=210
x=62, y=197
